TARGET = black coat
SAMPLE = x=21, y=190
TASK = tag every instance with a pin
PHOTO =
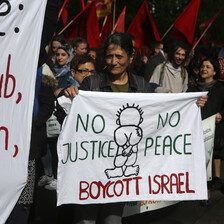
x=46, y=100
x=214, y=104
x=151, y=65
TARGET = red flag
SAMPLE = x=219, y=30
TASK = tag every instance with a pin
x=103, y=7
x=82, y=3
x=186, y=22
x=85, y=25
x=63, y=13
x=106, y=28
x=120, y=24
x=207, y=25
x=143, y=27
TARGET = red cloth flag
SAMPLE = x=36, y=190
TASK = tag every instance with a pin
x=82, y=3
x=186, y=22
x=103, y=7
x=85, y=25
x=207, y=25
x=143, y=27
x=106, y=28
x=120, y=24
x=63, y=13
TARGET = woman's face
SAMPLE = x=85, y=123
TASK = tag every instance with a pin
x=83, y=71
x=207, y=71
x=55, y=45
x=61, y=57
x=117, y=60
x=92, y=54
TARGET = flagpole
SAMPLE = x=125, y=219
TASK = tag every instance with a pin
x=65, y=27
x=74, y=19
x=62, y=8
x=209, y=25
x=114, y=28
x=114, y=12
x=167, y=31
x=104, y=22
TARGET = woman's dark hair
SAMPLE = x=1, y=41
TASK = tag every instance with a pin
x=67, y=48
x=80, y=60
x=122, y=40
x=78, y=40
x=58, y=38
x=173, y=48
x=215, y=65
x=50, y=53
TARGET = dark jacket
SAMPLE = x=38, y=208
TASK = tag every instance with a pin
x=214, y=104
x=101, y=82
x=151, y=65
x=46, y=100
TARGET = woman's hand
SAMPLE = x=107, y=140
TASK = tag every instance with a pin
x=201, y=101
x=218, y=117
x=71, y=91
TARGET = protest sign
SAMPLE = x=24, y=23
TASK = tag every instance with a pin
x=209, y=136
x=132, y=208
x=131, y=147
x=21, y=25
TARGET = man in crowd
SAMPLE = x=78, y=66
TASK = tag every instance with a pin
x=79, y=45
x=171, y=76
x=159, y=56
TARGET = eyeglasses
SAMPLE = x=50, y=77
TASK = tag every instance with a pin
x=86, y=71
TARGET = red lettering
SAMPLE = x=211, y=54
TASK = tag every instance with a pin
x=157, y=182
x=173, y=182
x=107, y=191
x=187, y=184
x=6, y=136
x=9, y=76
x=164, y=183
x=137, y=184
x=127, y=180
x=98, y=189
x=16, y=151
x=104, y=187
x=83, y=190
x=122, y=188
x=150, y=185
x=95, y=189
x=1, y=80
x=180, y=183
x=9, y=79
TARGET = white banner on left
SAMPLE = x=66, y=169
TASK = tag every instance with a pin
x=21, y=25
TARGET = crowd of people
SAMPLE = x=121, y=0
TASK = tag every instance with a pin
x=162, y=67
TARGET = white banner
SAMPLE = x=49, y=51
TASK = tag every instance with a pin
x=20, y=33
x=131, y=147
x=209, y=136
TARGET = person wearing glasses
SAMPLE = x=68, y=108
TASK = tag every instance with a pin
x=82, y=66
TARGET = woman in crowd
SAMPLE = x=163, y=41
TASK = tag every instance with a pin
x=61, y=70
x=116, y=77
x=209, y=71
x=82, y=66
x=54, y=44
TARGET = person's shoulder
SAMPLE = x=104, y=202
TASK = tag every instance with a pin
x=91, y=82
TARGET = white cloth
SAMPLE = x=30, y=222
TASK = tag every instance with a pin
x=22, y=26
x=122, y=146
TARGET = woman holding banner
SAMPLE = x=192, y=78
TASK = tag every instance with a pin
x=116, y=77
x=209, y=72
